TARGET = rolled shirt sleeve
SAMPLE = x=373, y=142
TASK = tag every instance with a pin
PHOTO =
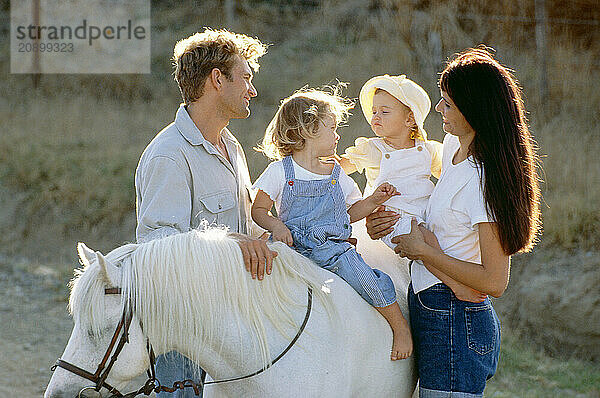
x=272, y=181
x=350, y=189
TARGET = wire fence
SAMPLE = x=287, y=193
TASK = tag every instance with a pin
x=232, y=9
x=530, y=20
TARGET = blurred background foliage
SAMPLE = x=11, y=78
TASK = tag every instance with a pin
x=70, y=143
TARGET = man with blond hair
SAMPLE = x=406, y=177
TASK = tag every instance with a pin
x=194, y=172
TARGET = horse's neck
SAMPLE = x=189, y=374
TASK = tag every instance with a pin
x=233, y=351
x=231, y=347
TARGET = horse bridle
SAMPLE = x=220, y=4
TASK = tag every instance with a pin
x=152, y=383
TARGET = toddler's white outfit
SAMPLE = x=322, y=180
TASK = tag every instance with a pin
x=408, y=170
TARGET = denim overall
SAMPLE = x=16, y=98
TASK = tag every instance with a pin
x=315, y=213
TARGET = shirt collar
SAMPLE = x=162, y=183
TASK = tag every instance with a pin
x=192, y=134
x=187, y=127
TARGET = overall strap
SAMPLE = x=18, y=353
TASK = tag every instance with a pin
x=286, y=196
x=339, y=199
x=379, y=145
x=288, y=168
x=335, y=174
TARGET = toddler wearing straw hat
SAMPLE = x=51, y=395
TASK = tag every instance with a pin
x=401, y=155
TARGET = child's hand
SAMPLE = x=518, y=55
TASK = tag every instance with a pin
x=383, y=193
x=335, y=157
x=282, y=234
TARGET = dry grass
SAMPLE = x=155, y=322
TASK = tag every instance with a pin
x=525, y=371
x=69, y=148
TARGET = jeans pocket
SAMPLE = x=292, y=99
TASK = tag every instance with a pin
x=481, y=328
x=434, y=302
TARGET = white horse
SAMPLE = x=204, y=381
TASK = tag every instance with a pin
x=190, y=293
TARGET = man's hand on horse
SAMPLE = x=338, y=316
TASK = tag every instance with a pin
x=258, y=258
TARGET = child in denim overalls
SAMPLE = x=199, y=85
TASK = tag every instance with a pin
x=316, y=201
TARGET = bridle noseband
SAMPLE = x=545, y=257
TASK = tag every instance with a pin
x=152, y=383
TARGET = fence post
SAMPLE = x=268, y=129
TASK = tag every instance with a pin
x=35, y=62
x=541, y=30
x=230, y=13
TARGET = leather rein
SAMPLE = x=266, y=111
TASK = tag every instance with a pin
x=152, y=383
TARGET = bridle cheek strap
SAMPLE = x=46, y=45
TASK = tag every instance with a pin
x=99, y=378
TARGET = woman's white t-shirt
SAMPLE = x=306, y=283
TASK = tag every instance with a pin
x=456, y=207
x=272, y=181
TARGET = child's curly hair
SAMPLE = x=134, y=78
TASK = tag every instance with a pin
x=298, y=118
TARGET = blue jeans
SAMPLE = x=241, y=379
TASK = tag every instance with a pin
x=457, y=343
x=374, y=286
x=172, y=367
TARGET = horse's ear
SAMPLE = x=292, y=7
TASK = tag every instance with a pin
x=86, y=254
x=109, y=271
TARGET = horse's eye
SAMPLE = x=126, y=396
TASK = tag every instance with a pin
x=95, y=335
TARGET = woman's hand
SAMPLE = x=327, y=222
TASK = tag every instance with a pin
x=381, y=222
x=465, y=293
x=411, y=245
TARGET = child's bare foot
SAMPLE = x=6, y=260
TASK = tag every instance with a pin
x=402, y=346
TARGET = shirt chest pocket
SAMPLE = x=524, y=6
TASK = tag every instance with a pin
x=213, y=207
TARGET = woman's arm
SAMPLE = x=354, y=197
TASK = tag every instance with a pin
x=461, y=291
x=261, y=208
x=381, y=223
x=490, y=277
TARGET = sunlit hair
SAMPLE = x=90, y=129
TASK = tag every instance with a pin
x=298, y=118
x=194, y=58
x=414, y=129
x=489, y=97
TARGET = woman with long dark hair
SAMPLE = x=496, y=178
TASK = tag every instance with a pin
x=484, y=208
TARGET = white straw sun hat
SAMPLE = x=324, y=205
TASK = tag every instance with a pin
x=404, y=90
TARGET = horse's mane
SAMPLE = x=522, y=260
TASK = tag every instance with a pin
x=168, y=280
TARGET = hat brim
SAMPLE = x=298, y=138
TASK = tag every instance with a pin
x=388, y=84
x=367, y=92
